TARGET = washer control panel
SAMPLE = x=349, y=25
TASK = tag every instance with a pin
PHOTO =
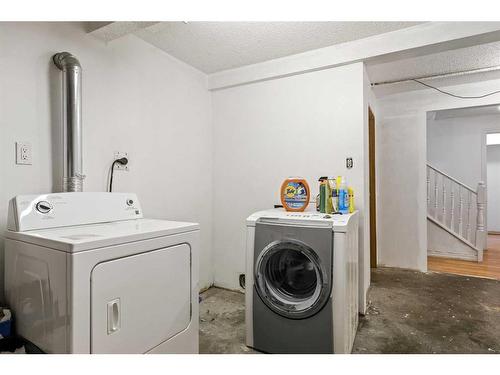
x=309, y=216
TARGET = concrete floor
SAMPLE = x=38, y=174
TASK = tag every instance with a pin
x=222, y=322
x=409, y=312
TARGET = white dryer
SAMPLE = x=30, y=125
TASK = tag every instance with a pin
x=86, y=273
x=301, y=292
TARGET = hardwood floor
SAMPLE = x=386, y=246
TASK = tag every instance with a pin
x=489, y=267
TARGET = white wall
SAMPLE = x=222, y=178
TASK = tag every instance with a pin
x=136, y=98
x=493, y=178
x=401, y=203
x=456, y=145
x=303, y=125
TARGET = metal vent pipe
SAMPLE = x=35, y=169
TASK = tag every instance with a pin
x=72, y=120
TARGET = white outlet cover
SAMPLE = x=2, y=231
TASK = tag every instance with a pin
x=24, y=153
x=119, y=155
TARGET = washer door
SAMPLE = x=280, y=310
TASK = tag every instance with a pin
x=290, y=279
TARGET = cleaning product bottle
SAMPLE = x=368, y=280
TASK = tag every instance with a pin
x=343, y=196
x=335, y=196
x=329, y=200
x=322, y=194
x=294, y=194
x=351, y=199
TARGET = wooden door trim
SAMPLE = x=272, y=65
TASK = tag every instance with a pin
x=372, y=189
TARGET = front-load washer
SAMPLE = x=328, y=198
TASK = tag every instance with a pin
x=301, y=282
x=86, y=273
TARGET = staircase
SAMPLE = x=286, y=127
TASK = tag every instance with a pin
x=456, y=217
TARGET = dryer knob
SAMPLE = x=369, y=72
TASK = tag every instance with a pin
x=43, y=207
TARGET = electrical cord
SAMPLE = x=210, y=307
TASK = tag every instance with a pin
x=454, y=95
x=122, y=161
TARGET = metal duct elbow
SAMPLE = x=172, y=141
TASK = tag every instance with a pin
x=72, y=120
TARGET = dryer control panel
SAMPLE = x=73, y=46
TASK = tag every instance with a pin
x=30, y=212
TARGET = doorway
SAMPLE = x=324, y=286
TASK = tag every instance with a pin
x=461, y=187
x=372, y=189
x=493, y=182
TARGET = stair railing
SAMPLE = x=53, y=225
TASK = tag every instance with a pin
x=456, y=207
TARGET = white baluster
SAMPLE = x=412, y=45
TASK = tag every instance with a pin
x=460, y=211
x=435, y=195
x=481, y=218
x=469, y=205
x=444, y=201
x=452, y=209
x=428, y=188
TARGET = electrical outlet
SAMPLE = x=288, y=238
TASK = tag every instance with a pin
x=118, y=166
x=23, y=153
x=241, y=279
x=349, y=163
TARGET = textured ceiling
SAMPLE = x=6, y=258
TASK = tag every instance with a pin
x=215, y=46
x=488, y=110
x=109, y=31
x=479, y=56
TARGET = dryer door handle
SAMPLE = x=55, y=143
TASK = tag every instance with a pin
x=113, y=316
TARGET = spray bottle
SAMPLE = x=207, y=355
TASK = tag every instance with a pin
x=335, y=195
x=323, y=181
x=331, y=204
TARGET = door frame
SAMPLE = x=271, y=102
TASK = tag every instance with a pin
x=372, y=188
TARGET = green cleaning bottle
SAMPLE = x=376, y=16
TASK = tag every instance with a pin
x=329, y=198
x=322, y=194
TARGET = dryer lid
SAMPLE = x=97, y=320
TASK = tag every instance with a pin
x=86, y=237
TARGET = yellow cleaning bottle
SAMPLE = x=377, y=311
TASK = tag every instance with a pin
x=350, y=190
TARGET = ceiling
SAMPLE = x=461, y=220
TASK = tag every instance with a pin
x=215, y=46
x=487, y=110
x=475, y=57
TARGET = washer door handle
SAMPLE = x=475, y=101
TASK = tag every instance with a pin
x=113, y=316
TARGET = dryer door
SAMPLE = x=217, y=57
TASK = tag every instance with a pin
x=291, y=279
x=140, y=301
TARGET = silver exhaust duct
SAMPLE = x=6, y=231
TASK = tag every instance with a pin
x=72, y=120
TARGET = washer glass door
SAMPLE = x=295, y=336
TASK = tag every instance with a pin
x=290, y=279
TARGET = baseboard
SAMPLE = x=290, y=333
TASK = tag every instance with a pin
x=202, y=290
x=228, y=289
x=451, y=255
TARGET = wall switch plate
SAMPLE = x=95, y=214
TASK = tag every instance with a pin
x=23, y=153
x=118, y=166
